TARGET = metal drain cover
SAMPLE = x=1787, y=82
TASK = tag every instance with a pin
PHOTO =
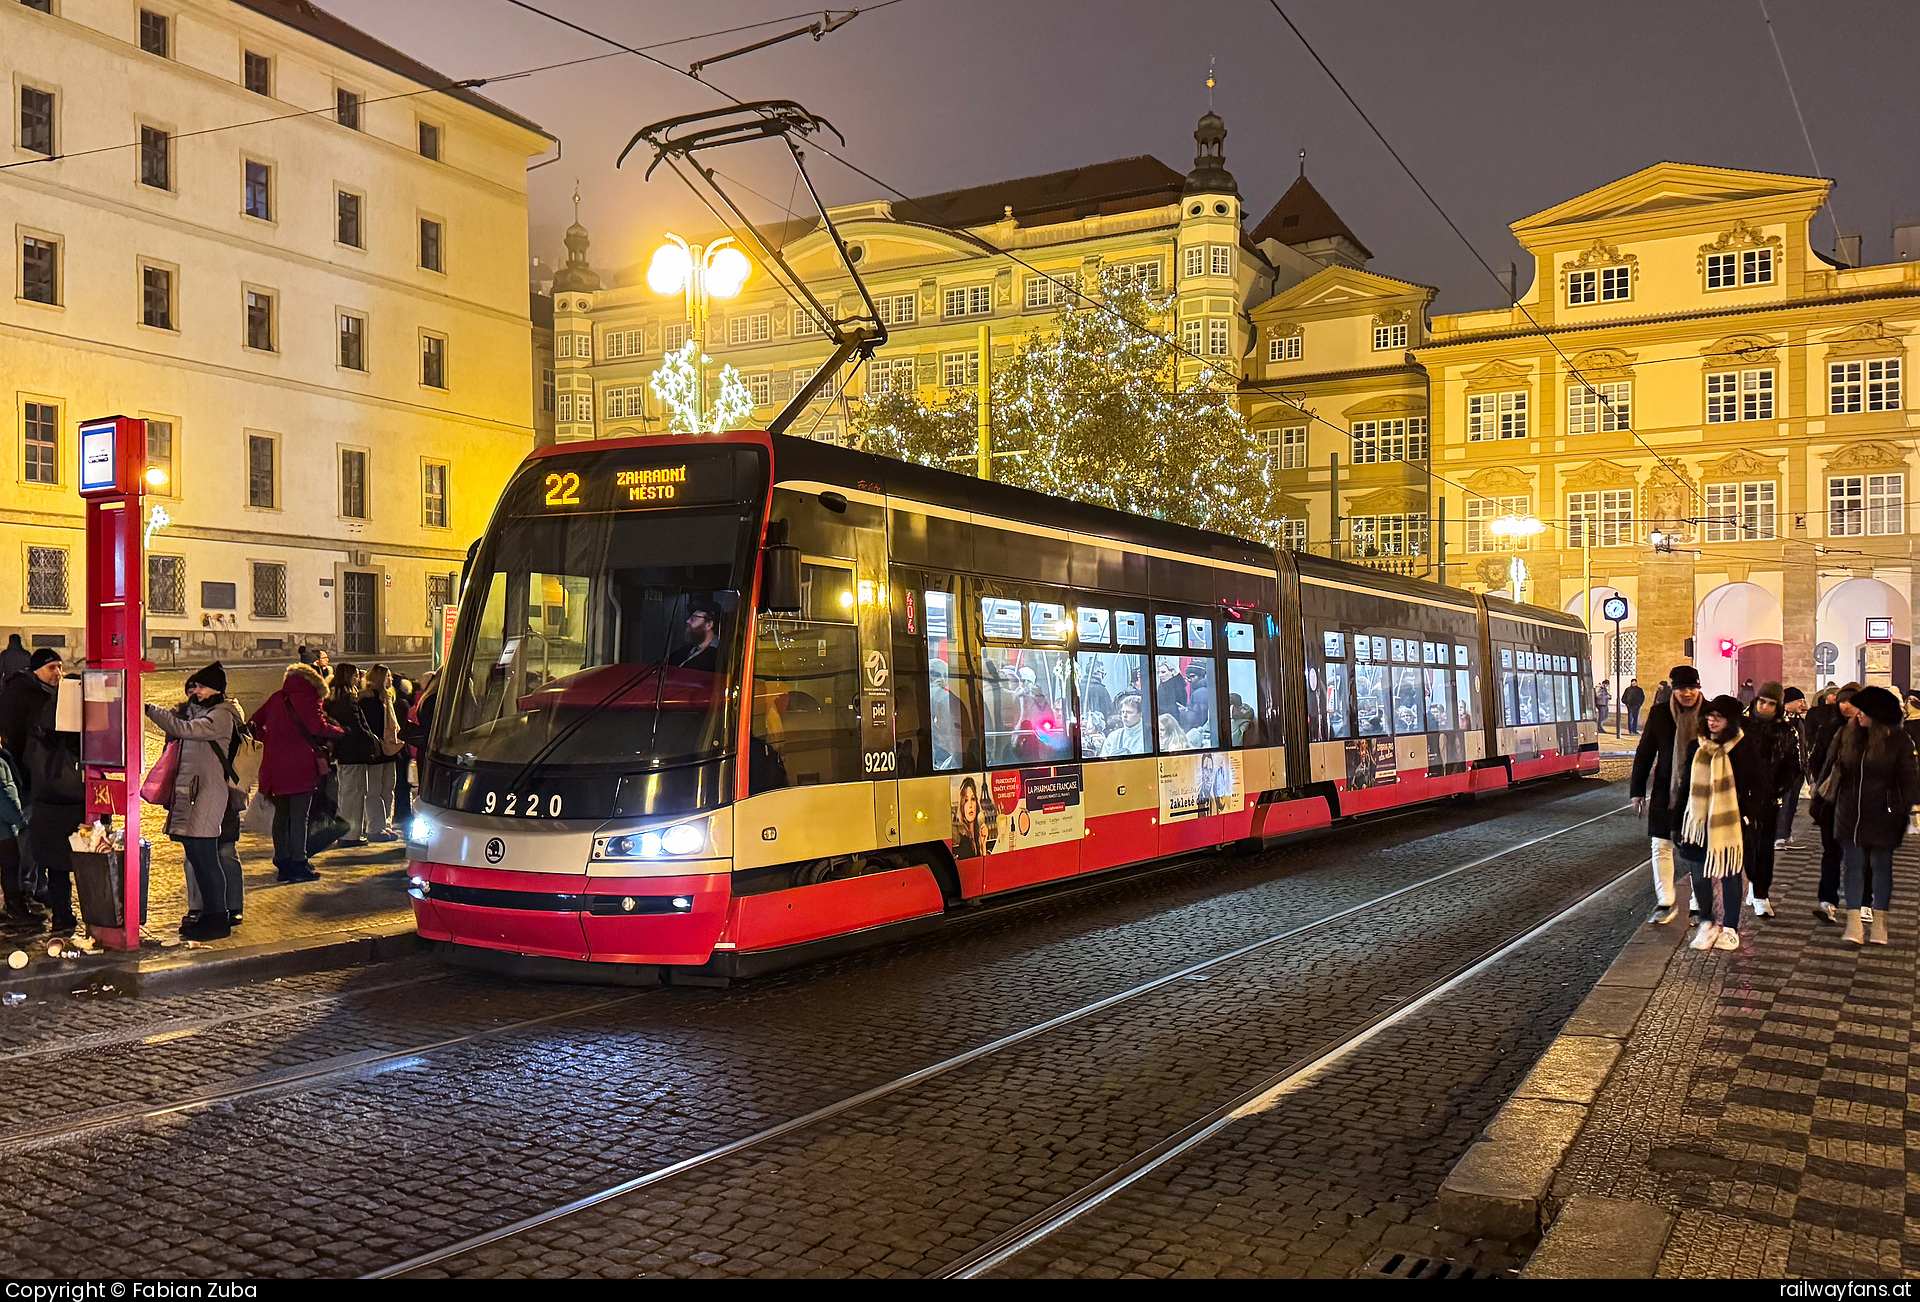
x=1414, y=1265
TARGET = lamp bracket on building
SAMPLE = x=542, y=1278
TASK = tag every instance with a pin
x=680, y=139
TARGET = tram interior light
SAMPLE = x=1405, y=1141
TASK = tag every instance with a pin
x=668, y=272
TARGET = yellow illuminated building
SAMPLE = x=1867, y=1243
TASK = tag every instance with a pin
x=1709, y=415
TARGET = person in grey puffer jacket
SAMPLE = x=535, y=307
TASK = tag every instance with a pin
x=206, y=725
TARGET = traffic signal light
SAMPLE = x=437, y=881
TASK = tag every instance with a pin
x=1727, y=648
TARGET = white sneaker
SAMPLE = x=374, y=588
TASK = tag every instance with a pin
x=1705, y=937
x=1727, y=939
x=1866, y=916
x=1763, y=909
x=1781, y=843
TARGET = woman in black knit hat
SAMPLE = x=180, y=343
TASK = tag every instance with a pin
x=1876, y=782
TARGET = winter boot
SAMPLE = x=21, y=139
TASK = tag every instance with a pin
x=1877, y=929
x=1854, y=934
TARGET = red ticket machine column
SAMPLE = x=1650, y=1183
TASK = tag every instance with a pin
x=113, y=470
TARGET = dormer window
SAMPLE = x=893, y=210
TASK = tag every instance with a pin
x=1600, y=284
x=1748, y=267
x=1389, y=336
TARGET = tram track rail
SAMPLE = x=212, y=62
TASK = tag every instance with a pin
x=1094, y=1008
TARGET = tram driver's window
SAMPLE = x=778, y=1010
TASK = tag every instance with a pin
x=1183, y=693
x=806, y=688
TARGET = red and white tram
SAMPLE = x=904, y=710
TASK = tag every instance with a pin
x=718, y=704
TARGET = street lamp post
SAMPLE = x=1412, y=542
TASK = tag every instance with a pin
x=702, y=273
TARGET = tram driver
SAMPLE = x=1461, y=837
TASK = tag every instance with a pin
x=702, y=650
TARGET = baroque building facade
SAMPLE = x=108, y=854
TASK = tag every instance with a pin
x=1003, y=256
x=297, y=253
x=1707, y=415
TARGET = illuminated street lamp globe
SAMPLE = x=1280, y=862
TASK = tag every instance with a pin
x=702, y=273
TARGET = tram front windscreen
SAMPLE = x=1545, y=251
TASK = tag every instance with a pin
x=604, y=618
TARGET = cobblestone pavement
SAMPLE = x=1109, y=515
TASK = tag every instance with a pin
x=1770, y=1098
x=371, y=1164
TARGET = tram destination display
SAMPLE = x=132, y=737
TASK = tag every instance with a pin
x=635, y=481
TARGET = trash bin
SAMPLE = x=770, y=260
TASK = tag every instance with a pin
x=101, y=882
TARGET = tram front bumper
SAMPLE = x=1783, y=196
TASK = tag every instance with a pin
x=672, y=920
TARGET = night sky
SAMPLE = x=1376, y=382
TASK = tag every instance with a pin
x=1502, y=108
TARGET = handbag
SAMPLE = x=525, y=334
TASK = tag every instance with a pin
x=1829, y=786
x=157, y=788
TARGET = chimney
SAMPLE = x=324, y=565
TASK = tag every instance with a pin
x=1510, y=279
x=1906, y=240
x=1847, y=248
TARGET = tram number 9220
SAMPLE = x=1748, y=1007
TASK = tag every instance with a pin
x=512, y=808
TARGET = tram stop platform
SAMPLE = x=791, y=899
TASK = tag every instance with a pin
x=356, y=913
x=1752, y=1114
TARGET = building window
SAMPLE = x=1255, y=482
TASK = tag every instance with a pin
x=440, y=591
x=1146, y=275
x=160, y=456
x=269, y=590
x=1600, y=519
x=1739, y=395
x=1492, y=416
x=890, y=375
x=803, y=324
x=1740, y=512
x=1604, y=284
x=260, y=477
x=156, y=158
x=894, y=309
x=43, y=6
x=1388, y=535
x=1284, y=348
x=1051, y=291
x=1220, y=259
x=750, y=328
x=433, y=361
x=577, y=408
x=433, y=495
x=36, y=120
x=1866, y=504
x=1863, y=386
x=46, y=578
x=353, y=483
x=1752, y=267
x=1377, y=441
x=1217, y=336
x=40, y=445
x=1481, y=511
x=40, y=270
x=218, y=596
x=969, y=300
x=259, y=191
x=1592, y=408
x=156, y=297
x=154, y=33
x=430, y=141
x=167, y=585
x=346, y=228
x=1723, y=270
x=760, y=387
x=353, y=341
x=1193, y=261
x=1293, y=448
x=958, y=370
x=1389, y=336
x=260, y=331
x=1582, y=287
x=257, y=72
x=1293, y=535
x=674, y=337
x=430, y=240
x=346, y=107
x=627, y=402
x=615, y=344
x=546, y=389
x=1192, y=335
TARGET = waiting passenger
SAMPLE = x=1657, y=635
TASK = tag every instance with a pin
x=1172, y=737
x=1130, y=737
x=1239, y=715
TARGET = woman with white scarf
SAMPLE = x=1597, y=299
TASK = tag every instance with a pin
x=1724, y=818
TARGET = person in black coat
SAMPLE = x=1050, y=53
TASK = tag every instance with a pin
x=1767, y=727
x=1876, y=784
x=1824, y=722
x=1631, y=700
x=1660, y=776
x=1794, y=718
x=1719, y=886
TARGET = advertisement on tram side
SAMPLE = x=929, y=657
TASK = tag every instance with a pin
x=1371, y=762
x=1016, y=809
x=1195, y=786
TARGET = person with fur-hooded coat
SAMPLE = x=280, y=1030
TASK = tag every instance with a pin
x=296, y=734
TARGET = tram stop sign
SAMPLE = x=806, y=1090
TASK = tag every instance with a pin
x=1614, y=608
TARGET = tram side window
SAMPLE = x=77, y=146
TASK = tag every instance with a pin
x=1338, y=714
x=1183, y=693
x=1025, y=692
x=954, y=739
x=1563, y=699
x=1113, y=711
x=1528, y=713
x=1439, y=701
x=806, y=689
x=1243, y=703
x=1409, y=714
x=1370, y=699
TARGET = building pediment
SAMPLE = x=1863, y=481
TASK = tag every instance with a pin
x=1393, y=404
x=1499, y=481
x=1600, y=475
x=1742, y=464
x=1665, y=188
x=1387, y=501
x=1339, y=285
x=1868, y=454
x=1597, y=365
x=1741, y=350
x=1868, y=339
x=1497, y=374
x=1292, y=508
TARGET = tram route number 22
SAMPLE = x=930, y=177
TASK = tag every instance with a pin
x=563, y=489
x=512, y=808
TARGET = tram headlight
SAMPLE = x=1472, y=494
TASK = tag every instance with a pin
x=419, y=830
x=676, y=842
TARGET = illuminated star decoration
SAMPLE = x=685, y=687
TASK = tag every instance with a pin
x=674, y=384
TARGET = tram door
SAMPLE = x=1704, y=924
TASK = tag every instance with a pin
x=876, y=599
